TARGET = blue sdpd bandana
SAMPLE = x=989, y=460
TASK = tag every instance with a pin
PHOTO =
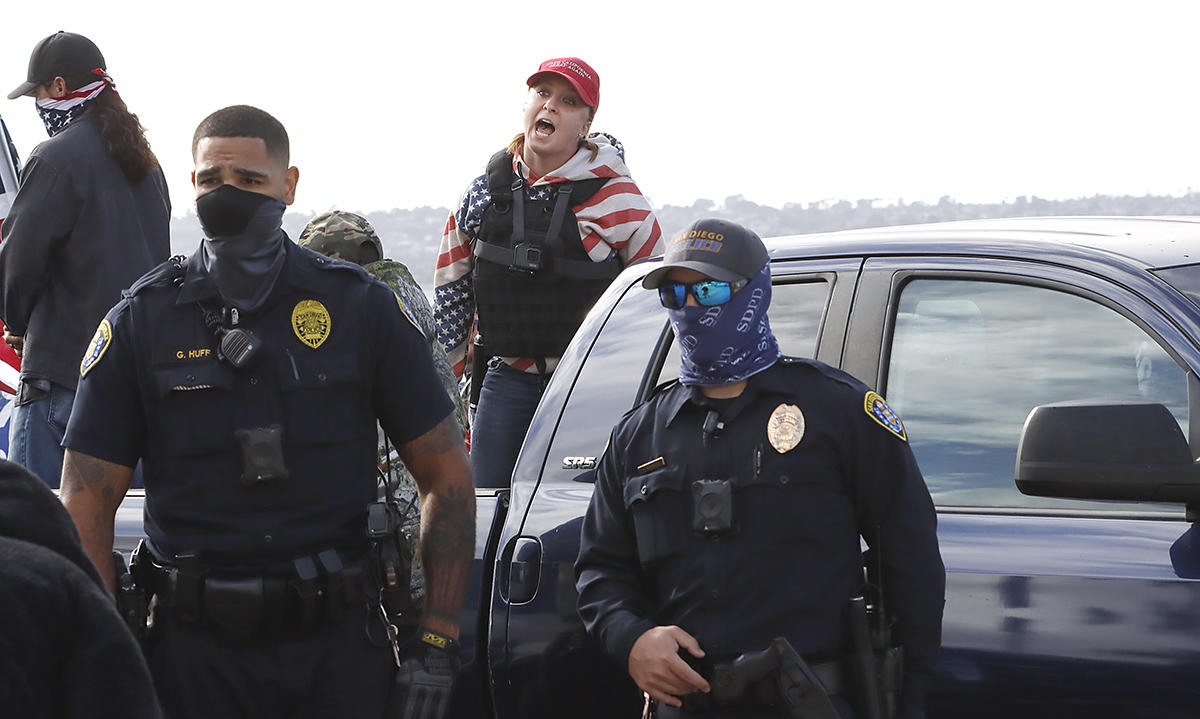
x=727, y=343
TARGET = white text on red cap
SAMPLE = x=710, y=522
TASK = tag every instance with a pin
x=573, y=67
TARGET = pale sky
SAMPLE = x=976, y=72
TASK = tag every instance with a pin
x=400, y=104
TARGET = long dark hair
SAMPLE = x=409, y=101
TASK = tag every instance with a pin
x=124, y=137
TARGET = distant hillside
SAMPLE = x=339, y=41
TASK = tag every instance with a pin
x=411, y=236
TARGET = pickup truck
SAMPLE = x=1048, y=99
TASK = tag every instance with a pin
x=1071, y=555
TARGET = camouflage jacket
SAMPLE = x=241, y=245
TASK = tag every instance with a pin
x=397, y=277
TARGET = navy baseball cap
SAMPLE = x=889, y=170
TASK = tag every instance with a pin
x=62, y=54
x=721, y=249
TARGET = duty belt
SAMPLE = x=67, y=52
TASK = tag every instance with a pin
x=241, y=608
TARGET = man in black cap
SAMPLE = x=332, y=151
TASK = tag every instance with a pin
x=728, y=511
x=90, y=217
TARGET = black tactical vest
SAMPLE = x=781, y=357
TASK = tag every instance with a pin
x=534, y=283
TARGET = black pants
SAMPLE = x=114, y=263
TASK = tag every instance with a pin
x=334, y=671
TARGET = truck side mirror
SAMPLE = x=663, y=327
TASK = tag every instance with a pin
x=1133, y=451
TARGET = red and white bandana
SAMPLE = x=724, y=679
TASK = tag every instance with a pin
x=58, y=113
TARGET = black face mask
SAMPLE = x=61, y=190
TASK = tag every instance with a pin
x=227, y=210
x=244, y=244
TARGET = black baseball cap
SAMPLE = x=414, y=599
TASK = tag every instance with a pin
x=62, y=54
x=721, y=249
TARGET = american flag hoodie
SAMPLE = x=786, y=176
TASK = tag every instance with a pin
x=616, y=220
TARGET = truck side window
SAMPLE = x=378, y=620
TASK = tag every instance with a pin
x=970, y=359
x=796, y=312
x=608, y=381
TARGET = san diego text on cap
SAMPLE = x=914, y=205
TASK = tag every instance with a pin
x=721, y=249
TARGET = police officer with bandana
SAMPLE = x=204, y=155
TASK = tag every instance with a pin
x=248, y=379
x=728, y=510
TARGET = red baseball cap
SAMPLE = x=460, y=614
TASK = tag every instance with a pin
x=577, y=72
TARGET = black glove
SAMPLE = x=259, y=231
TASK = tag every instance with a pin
x=425, y=678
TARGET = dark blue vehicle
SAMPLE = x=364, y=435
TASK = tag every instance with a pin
x=1078, y=596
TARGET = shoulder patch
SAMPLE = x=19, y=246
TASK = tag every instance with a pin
x=96, y=348
x=408, y=315
x=879, y=411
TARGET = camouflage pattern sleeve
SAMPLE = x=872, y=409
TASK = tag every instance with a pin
x=397, y=277
x=416, y=307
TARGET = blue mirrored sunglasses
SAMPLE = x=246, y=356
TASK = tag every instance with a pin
x=708, y=293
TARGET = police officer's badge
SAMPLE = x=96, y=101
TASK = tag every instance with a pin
x=96, y=348
x=785, y=428
x=311, y=322
x=879, y=411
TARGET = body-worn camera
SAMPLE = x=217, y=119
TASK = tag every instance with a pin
x=527, y=256
x=712, y=506
x=262, y=454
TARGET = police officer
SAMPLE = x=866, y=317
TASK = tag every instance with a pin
x=728, y=509
x=248, y=379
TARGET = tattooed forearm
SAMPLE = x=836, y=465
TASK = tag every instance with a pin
x=438, y=461
x=92, y=490
x=448, y=548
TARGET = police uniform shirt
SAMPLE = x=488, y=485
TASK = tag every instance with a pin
x=813, y=456
x=337, y=352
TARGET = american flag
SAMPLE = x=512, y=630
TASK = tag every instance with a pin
x=616, y=220
x=10, y=364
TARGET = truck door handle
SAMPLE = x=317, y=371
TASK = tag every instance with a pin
x=525, y=570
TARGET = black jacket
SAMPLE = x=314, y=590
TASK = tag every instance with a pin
x=337, y=353
x=791, y=559
x=64, y=650
x=78, y=233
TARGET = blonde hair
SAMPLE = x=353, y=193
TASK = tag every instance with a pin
x=518, y=143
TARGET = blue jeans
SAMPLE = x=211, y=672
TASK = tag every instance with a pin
x=507, y=400
x=35, y=434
